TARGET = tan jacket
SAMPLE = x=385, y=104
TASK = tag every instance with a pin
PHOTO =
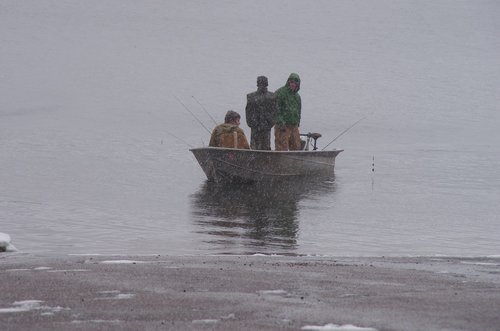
x=229, y=136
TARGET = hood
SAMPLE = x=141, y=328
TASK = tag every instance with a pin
x=293, y=76
x=226, y=128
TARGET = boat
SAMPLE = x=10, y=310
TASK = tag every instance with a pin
x=247, y=165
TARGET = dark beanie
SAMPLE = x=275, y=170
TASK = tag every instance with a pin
x=262, y=81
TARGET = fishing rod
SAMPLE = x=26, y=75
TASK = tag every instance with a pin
x=206, y=111
x=196, y=118
x=173, y=135
x=181, y=140
x=349, y=128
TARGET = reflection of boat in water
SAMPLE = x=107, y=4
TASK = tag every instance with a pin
x=262, y=217
x=245, y=165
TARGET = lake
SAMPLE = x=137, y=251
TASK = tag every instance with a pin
x=95, y=130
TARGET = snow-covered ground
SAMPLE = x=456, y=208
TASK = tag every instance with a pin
x=89, y=107
x=5, y=244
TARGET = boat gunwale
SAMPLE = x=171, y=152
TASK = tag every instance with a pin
x=267, y=151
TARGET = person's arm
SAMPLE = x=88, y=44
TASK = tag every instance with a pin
x=249, y=113
x=300, y=108
x=242, y=140
x=273, y=111
x=280, y=105
x=214, y=141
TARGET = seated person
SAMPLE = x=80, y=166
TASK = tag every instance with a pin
x=229, y=134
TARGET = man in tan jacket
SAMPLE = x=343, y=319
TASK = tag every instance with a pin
x=229, y=134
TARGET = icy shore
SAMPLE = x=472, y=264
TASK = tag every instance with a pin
x=249, y=293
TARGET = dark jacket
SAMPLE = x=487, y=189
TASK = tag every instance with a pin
x=289, y=104
x=261, y=110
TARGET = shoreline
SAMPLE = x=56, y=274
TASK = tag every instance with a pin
x=248, y=292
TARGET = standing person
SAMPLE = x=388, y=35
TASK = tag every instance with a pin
x=229, y=134
x=260, y=112
x=286, y=130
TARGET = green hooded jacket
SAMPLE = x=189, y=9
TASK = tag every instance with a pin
x=289, y=103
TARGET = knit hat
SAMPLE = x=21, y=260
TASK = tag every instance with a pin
x=262, y=81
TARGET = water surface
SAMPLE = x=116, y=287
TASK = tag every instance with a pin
x=94, y=143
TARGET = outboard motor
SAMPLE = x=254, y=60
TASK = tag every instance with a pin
x=310, y=135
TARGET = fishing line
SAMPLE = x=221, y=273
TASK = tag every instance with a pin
x=196, y=118
x=206, y=111
x=181, y=140
x=342, y=133
x=373, y=173
x=157, y=118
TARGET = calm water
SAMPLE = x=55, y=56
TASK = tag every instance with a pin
x=89, y=162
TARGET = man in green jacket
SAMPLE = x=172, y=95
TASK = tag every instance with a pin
x=286, y=129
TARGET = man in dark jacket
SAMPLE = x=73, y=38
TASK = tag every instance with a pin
x=286, y=130
x=261, y=111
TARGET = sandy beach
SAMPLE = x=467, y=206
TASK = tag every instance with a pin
x=248, y=293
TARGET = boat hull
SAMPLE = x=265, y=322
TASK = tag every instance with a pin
x=229, y=164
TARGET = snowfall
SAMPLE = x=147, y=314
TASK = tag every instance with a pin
x=90, y=95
